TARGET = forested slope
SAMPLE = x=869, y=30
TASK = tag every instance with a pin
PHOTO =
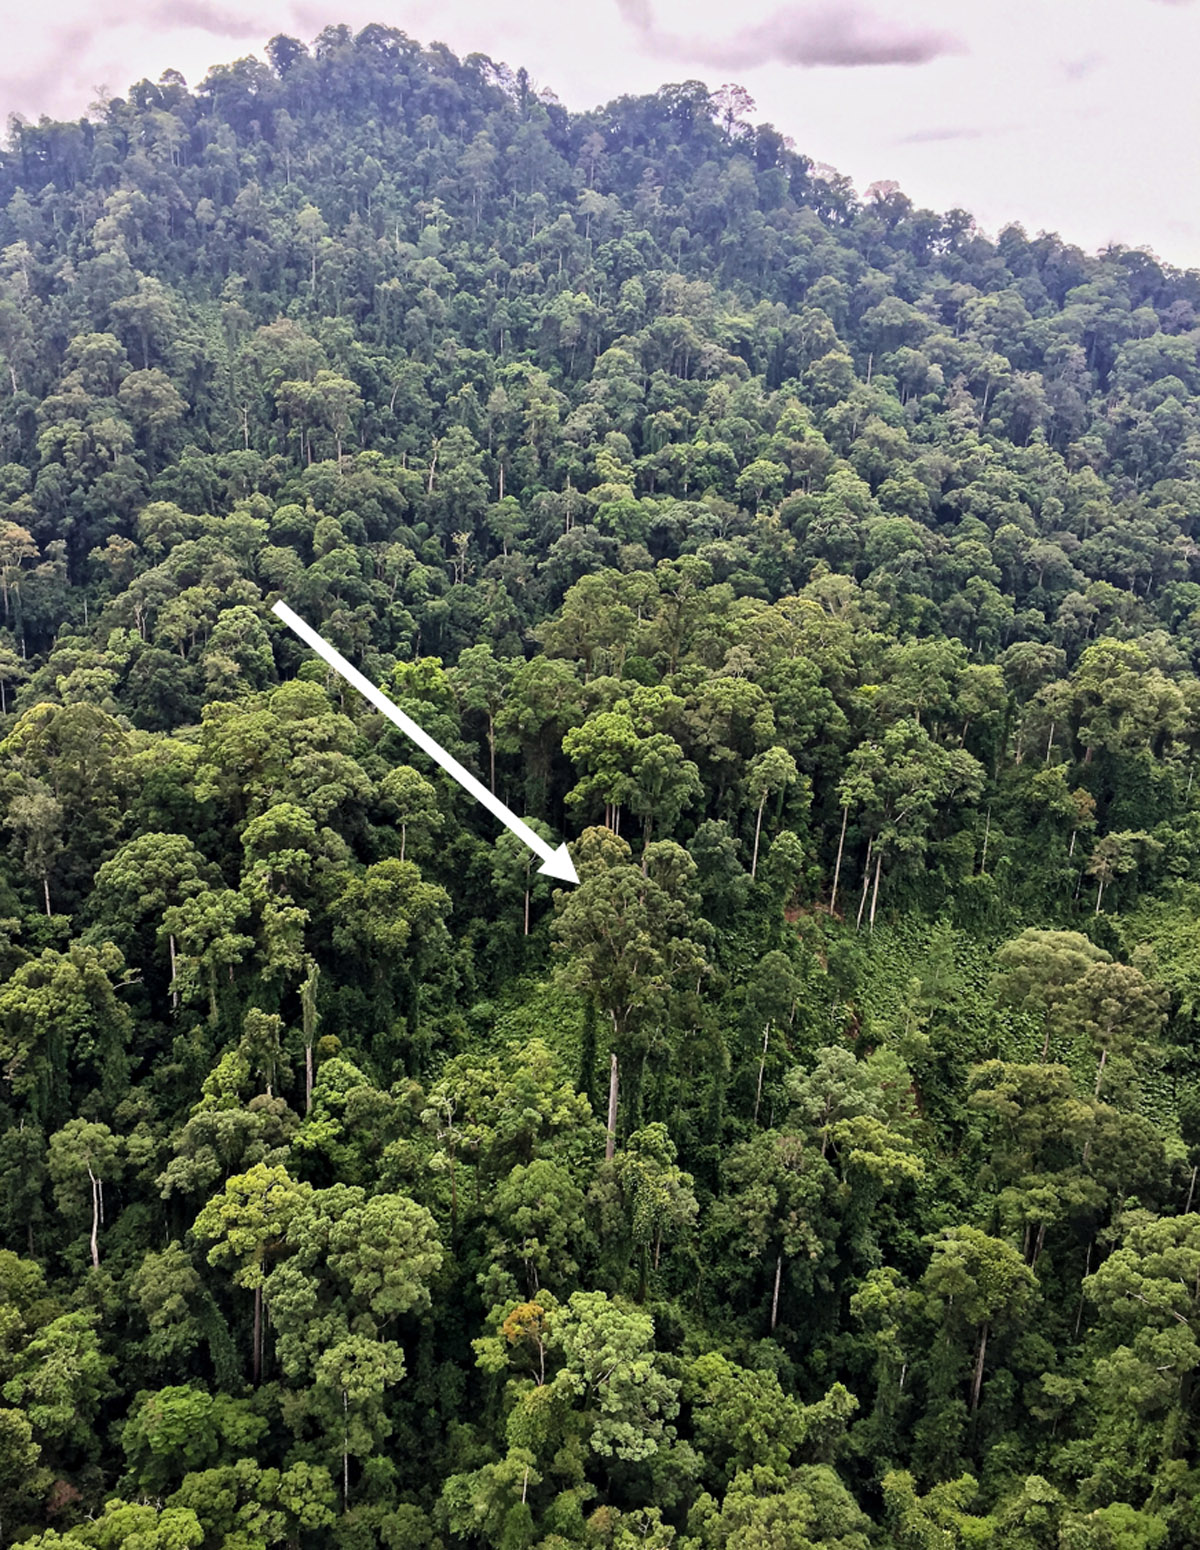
x=827, y=574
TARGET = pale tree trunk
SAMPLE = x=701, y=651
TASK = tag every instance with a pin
x=95, y=1219
x=1191, y=1193
x=527, y=912
x=46, y=891
x=775, y=1293
x=875, y=890
x=1100, y=1070
x=837, y=870
x=308, y=1077
x=862, y=903
x=257, y=1334
x=977, y=1380
x=762, y=1065
x=345, y=1451
x=610, y=1144
x=757, y=833
x=174, y=991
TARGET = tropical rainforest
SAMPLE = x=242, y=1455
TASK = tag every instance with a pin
x=820, y=1173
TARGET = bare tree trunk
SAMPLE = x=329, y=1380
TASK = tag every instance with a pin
x=1100, y=1070
x=757, y=833
x=257, y=1334
x=527, y=912
x=775, y=1293
x=837, y=870
x=46, y=891
x=875, y=890
x=174, y=991
x=345, y=1451
x=95, y=1219
x=977, y=1381
x=762, y=1065
x=610, y=1145
x=987, y=833
x=1191, y=1193
x=308, y=1077
x=862, y=903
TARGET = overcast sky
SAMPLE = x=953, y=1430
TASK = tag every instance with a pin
x=1080, y=116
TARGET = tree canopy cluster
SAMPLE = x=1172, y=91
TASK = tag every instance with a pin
x=821, y=1172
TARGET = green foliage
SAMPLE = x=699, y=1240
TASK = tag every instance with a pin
x=824, y=572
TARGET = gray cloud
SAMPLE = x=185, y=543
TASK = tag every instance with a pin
x=935, y=136
x=204, y=17
x=1083, y=65
x=844, y=37
x=63, y=75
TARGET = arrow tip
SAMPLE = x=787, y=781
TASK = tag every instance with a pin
x=560, y=865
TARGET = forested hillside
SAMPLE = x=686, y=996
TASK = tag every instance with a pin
x=828, y=576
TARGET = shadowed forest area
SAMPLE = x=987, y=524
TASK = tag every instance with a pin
x=827, y=574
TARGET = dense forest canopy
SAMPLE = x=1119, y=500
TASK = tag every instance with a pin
x=828, y=575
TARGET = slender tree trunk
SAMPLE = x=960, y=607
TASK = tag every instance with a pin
x=1100, y=1070
x=775, y=1293
x=345, y=1451
x=526, y=910
x=46, y=891
x=862, y=903
x=95, y=1219
x=1191, y=1193
x=977, y=1381
x=257, y=1334
x=403, y=839
x=837, y=870
x=757, y=833
x=875, y=890
x=1099, y=895
x=610, y=1144
x=1087, y=1270
x=762, y=1065
x=987, y=832
x=174, y=991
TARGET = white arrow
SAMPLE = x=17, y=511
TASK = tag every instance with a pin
x=557, y=863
